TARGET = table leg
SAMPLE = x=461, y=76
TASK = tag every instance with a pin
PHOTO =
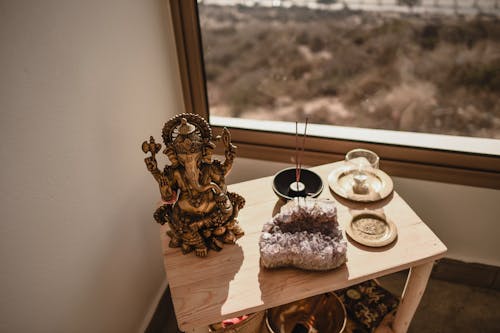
x=414, y=289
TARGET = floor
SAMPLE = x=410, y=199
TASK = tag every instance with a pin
x=445, y=307
x=451, y=307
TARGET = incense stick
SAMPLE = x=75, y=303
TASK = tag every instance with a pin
x=297, y=173
x=299, y=151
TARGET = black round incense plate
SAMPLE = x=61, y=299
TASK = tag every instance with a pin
x=285, y=177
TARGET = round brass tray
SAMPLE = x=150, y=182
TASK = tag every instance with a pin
x=371, y=229
x=341, y=182
x=322, y=313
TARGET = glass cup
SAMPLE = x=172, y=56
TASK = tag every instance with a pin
x=361, y=162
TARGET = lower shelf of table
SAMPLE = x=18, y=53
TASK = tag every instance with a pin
x=367, y=306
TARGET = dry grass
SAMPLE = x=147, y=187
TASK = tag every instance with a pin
x=425, y=74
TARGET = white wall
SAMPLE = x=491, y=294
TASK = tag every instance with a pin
x=82, y=84
x=466, y=219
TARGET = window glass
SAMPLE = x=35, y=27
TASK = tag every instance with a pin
x=430, y=66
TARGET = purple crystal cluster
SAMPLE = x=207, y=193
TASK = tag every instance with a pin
x=304, y=234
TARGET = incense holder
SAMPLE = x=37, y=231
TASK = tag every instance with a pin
x=286, y=187
x=304, y=234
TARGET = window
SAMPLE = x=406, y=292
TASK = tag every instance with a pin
x=267, y=63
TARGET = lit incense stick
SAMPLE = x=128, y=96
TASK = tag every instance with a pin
x=299, y=151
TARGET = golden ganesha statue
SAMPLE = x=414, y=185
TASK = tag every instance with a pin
x=199, y=210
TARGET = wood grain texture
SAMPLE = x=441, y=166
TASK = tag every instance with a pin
x=232, y=282
x=412, y=294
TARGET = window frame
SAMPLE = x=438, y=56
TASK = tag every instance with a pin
x=454, y=167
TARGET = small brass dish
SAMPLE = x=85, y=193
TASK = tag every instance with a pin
x=379, y=184
x=322, y=313
x=371, y=229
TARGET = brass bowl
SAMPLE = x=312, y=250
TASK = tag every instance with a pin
x=341, y=181
x=324, y=313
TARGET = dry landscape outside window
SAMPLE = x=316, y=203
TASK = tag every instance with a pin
x=407, y=66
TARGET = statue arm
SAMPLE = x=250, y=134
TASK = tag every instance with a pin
x=167, y=194
x=229, y=151
x=152, y=166
x=153, y=148
x=166, y=191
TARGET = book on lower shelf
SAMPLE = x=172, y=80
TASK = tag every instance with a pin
x=367, y=304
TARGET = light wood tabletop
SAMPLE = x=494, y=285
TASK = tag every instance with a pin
x=231, y=282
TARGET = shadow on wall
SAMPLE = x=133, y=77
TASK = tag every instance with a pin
x=247, y=169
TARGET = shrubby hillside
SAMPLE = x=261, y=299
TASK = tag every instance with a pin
x=436, y=74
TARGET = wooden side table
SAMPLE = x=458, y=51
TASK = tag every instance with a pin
x=231, y=283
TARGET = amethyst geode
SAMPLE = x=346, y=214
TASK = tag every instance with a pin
x=304, y=234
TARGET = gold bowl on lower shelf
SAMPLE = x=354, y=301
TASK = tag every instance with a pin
x=322, y=313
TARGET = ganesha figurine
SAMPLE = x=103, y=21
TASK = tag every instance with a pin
x=197, y=207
